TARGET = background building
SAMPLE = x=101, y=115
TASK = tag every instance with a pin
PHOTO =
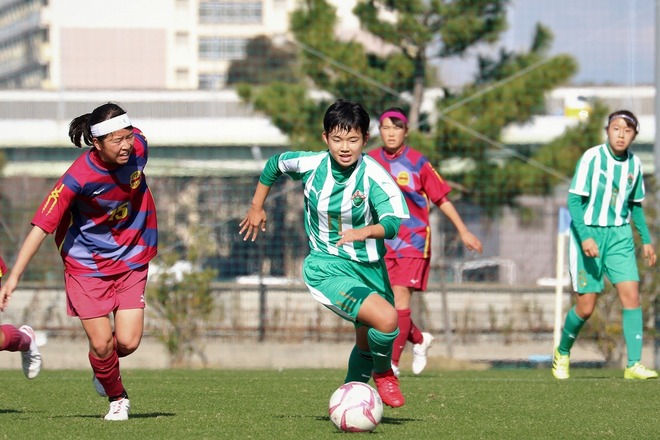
x=152, y=44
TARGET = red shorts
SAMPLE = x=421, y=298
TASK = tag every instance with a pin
x=91, y=297
x=408, y=272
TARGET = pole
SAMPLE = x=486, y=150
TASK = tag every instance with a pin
x=563, y=227
x=656, y=163
x=559, y=289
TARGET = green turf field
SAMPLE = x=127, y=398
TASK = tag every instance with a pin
x=292, y=404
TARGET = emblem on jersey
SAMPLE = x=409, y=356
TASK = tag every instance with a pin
x=615, y=196
x=403, y=178
x=136, y=178
x=582, y=278
x=53, y=197
x=358, y=198
x=631, y=178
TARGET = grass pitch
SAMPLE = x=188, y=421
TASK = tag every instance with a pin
x=292, y=404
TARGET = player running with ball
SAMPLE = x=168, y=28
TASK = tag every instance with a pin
x=351, y=205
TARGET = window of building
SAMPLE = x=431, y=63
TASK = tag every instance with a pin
x=217, y=48
x=230, y=12
x=182, y=75
x=212, y=81
x=181, y=39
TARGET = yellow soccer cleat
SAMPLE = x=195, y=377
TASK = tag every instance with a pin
x=560, y=365
x=639, y=371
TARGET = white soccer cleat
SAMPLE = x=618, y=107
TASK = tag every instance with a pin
x=119, y=410
x=98, y=387
x=420, y=351
x=31, y=357
x=395, y=370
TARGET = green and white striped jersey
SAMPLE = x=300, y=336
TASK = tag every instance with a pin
x=364, y=197
x=609, y=184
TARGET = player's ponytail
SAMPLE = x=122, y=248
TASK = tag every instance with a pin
x=79, y=130
x=80, y=127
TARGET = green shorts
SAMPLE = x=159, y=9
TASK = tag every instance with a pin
x=342, y=285
x=616, y=260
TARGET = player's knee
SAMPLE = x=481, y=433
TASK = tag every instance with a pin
x=101, y=349
x=389, y=321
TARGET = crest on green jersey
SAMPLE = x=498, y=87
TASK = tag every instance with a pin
x=630, y=179
x=358, y=198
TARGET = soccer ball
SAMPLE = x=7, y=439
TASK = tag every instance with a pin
x=355, y=407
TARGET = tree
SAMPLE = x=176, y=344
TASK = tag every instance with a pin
x=509, y=87
x=419, y=27
x=264, y=63
x=181, y=301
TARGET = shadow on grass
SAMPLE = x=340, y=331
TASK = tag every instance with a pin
x=153, y=415
x=384, y=420
x=10, y=411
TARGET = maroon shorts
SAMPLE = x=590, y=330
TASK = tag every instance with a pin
x=408, y=272
x=92, y=297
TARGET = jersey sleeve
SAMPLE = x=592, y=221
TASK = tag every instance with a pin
x=295, y=164
x=638, y=192
x=141, y=146
x=56, y=205
x=581, y=183
x=386, y=198
x=434, y=185
x=3, y=268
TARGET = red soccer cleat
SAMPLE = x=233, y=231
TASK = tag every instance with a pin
x=388, y=389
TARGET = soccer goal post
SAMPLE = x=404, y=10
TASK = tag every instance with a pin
x=562, y=236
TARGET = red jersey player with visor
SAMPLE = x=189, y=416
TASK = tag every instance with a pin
x=408, y=255
x=104, y=220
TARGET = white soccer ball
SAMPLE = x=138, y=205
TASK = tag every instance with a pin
x=355, y=407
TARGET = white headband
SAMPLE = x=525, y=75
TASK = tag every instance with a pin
x=110, y=125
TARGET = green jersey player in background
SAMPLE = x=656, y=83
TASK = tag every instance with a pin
x=606, y=193
x=351, y=204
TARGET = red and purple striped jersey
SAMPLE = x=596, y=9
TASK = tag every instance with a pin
x=420, y=184
x=3, y=268
x=104, y=218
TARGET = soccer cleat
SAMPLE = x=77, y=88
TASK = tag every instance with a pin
x=31, y=357
x=395, y=370
x=98, y=387
x=388, y=389
x=119, y=410
x=560, y=365
x=420, y=351
x=639, y=371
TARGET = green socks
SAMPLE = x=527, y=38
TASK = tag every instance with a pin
x=381, y=348
x=379, y=359
x=569, y=333
x=633, y=331
x=360, y=365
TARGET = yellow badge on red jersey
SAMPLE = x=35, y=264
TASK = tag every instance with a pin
x=403, y=178
x=136, y=178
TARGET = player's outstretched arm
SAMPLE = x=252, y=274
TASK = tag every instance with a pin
x=470, y=241
x=256, y=218
x=30, y=247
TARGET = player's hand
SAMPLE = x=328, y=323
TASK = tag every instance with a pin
x=254, y=221
x=649, y=254
x=590, y=248
x=471, y=242
x=351, y=235
x=6, y=290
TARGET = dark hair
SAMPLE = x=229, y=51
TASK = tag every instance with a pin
x=396, y=121
x=346, y=115
x=628, y=116
x=79, y=128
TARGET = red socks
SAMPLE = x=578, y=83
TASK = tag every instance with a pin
x=404, y=328
x=15, y=340
x=408, y=331
x=107, y=372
